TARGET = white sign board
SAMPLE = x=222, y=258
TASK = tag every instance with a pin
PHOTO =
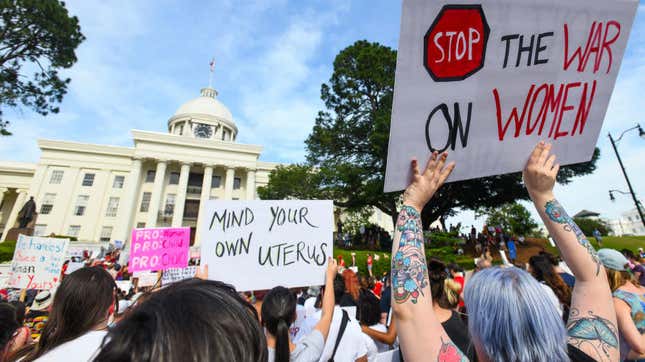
x=146, y=279
x=37, y=262
x=176, y=274
x=124, y=285
x=488, y=82
x=257, y=245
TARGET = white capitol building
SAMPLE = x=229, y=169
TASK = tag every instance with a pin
x=99, y=192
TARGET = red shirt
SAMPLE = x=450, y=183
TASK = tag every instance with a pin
x=460, y=279
x=369, y=260
x=378, y=288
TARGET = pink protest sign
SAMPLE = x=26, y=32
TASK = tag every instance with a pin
x=159, y=248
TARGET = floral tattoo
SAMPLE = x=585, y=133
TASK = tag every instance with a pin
x=450, y=353
x=409, y=268
x=594, y=331
x=556, y=213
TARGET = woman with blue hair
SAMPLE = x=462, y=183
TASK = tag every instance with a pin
x=510, y=317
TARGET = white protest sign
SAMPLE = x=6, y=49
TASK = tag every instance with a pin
x=146, y=279
x=488, y=82
x=37, y=262
x=257, y=244
x=176, y=274
x=124, y=285
x=74, y=266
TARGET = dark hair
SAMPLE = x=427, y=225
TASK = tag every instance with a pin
x=9, y=326
x=369, y=309
x=20, y=311
x=82, y=301
x=554, y=260
x=339, y=287
x=278, y=312
x=437, y=275
x=190, y=320
x=628, y=254
x=543, y=271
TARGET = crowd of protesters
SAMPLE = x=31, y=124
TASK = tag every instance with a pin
x=581, y=306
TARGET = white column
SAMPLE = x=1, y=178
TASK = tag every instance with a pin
x=218, y=133
x=250, y=184
x=128, y=204
x=205, y=196
x=228, y=184
x=178, y=213
x=157, y=191
x=13, y=216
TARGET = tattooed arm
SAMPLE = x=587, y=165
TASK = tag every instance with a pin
x=421, y=335
x=592, y=320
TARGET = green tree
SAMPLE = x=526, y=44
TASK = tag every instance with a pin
x=348, y=146
x=512, y=217
x=37, y=39
x=589, y=225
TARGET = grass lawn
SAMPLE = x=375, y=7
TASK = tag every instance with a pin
x=620, y=242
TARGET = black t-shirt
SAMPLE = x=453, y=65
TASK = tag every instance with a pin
x=347, y=301
x=458, y=333
x=386, y=294
x=577, y=355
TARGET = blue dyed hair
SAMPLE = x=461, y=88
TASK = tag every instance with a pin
x=511, y=318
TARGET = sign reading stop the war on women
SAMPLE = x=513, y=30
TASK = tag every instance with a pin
x=159, y=248
x=487, y=81
x=37, y=262
x=257, y=245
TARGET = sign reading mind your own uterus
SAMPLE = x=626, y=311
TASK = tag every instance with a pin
x=486, y=81
x=255, y=245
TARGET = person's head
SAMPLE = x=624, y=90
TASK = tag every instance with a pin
x=278, y=312
x=454, y=269
x=542, y=269
x=20, y=311
x=369, y=309
x=483, y=263
x=84, y=301
x=190, y=320
x=512, y=319
x=554, y=260
x=616, y=267
x=9, y=326
x=629, y=254
x=351, y=284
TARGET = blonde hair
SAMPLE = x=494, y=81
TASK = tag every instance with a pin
x=617, y=278
x=451, y=290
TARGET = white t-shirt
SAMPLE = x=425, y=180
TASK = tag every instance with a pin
x=351, y=346
x=308, y=350
x=83, y=349
x=374, y=347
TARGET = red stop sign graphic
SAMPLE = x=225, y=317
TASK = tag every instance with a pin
x=455, y=44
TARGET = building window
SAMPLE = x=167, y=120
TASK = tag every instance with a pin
x=224, y=135
x=174, y=178
x=40, y=230
x=81, y=205
x=74, y=230
x=216, y=182
x=141, y=225
x=236, y=198
x=237, y=183
x=56, y=177
x=170, y=205
x=48, y=204
x=106, y=233
x=181, y=129
x=150, y=176
x=118, y=182
x=145, y=201
x=88, y=179
x=112, y=207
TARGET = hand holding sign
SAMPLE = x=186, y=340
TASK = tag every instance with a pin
x=425, y=184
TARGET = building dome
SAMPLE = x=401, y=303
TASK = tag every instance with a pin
x=205, y=110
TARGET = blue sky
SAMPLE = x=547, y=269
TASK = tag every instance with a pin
x=143, y=59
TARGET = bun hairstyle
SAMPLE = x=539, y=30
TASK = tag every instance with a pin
x=451, y=293
x=278, y=313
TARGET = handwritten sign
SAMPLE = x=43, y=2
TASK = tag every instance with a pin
x=146, y=279
x=176, y=274
x=488, y=82
x=159, y=248
x=37, y=262
x=260, y=244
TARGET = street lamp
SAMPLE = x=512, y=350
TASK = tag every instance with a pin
x=611, y=194
x=622, y=167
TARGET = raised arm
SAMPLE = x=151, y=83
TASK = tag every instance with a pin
x=388, y=338
x=421, y=335
x=592, y=320
x=328, y=300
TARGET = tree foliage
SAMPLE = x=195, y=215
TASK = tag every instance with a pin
x=512, y=217
x=589, y=225
x=37, y=39
x=349, y=141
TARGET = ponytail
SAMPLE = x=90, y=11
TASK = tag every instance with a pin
x=282, y=353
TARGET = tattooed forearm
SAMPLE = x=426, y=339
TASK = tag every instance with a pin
x=409, y=269
x=556, y=213
x=592, y=330
x=450, y=353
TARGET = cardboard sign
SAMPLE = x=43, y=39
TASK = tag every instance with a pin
x=37, y=262
x=257, y=245
x=488, y=82
x=146, y=279
x=176, y=274
x=159, y=248
x=124, y=285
